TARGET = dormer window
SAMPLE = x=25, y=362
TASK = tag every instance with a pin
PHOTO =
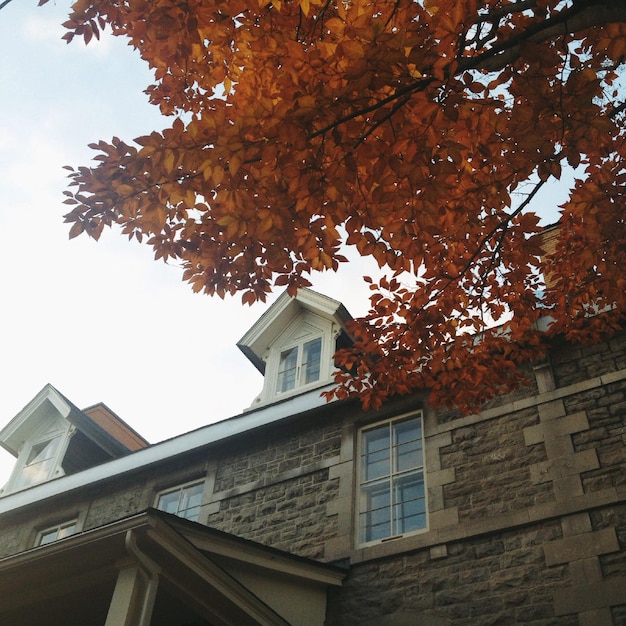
x=299, y=365
x=293, y=344
x=40, y=462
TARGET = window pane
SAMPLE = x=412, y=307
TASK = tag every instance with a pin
x=56, y=533
x=287, y=370
x=184, y=501
x=407, y=440
x=66, y=531
x=48, y=537
x=376, y=518
x=409, y=510
x=39, y=463
x=375, y=453
x=392, y=493
x=168, y=502
x=311, y=361
x=42, y=451
x=190, y=501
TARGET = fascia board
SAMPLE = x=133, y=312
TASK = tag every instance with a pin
x=176, y=446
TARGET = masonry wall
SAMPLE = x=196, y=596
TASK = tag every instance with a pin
x=527, y=503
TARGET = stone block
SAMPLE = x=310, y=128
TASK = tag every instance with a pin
x=438, y=552
x=435, y=498
x=613, y=377
x=441, y=477
x=567, y=488
x=590, y=597
x=439, y=441
x=551, y=410
x=559, y=446
x=564, y=466
x=581, y=546
x=576, y=524
x=585, y=571
x=556, y=428
x=444, y=518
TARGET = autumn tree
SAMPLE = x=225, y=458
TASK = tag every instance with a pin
x=416, y=131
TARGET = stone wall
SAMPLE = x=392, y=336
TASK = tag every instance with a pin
x=526, y=501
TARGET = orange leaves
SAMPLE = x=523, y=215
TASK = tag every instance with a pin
x=404, y=129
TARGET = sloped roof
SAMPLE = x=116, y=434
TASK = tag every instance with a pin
x=108, y=432
x=203, y=565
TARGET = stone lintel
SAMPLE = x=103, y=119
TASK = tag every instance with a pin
x=581, y=547
x=590, y=597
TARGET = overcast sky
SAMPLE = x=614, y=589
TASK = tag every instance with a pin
x=102, y=322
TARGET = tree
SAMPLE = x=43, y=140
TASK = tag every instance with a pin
x=418, y=132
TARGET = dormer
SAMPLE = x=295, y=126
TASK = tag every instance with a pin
x=50, y=437
x=293, y=344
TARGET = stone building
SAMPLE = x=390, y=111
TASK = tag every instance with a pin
x=304, y=512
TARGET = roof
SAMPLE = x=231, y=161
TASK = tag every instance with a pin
x=295, y=406
x=221, y=576
x=101, y=426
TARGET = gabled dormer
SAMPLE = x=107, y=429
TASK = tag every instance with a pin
x=50, y=437
x=293, y=344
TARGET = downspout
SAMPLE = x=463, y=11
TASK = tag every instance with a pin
x=151, y=571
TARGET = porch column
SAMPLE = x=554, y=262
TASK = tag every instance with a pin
x=135, y=589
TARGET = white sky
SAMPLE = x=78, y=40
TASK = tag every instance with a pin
x=102, y=322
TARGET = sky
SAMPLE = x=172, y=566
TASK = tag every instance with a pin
x=103, y=322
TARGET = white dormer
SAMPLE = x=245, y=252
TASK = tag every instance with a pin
x=293, y=344
x=50, y=437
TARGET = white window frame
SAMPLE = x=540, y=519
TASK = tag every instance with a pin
x=300, y=369
x=61, y=530
x=180, y=490
x=15, y=483
x=390, y=481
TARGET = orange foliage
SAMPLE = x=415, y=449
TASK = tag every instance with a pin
x=400, y=127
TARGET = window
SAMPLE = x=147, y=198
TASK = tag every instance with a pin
x=392, y=498
x=183, y=501
x=39, y=463
x=299, y=365
x=57, y=532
